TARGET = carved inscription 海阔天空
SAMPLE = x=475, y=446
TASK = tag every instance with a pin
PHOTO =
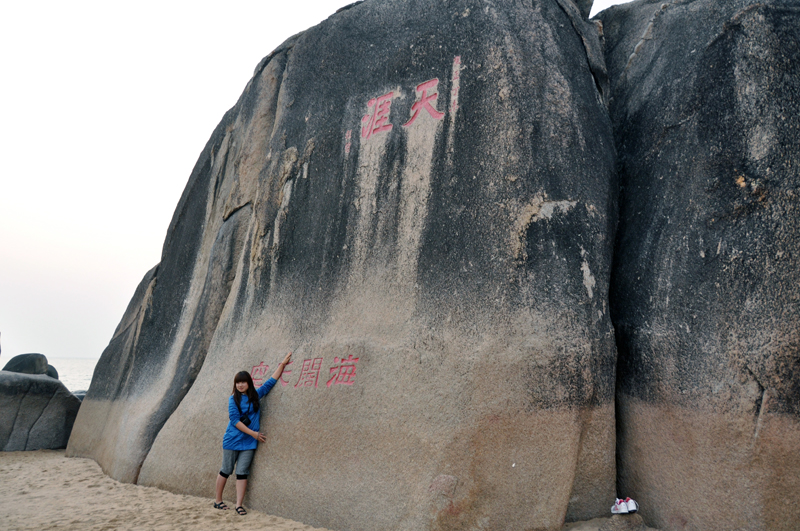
x=309, y=373
x=259, y=374
x=343, y=372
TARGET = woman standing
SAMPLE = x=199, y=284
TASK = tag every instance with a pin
x=242, y=435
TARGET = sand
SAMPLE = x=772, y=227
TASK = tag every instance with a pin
x=45, y=490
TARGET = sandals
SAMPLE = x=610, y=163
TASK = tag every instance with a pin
x=221, y=505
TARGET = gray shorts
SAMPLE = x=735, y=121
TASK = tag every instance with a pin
x=242, y=458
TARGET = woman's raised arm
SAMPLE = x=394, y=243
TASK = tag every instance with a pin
x=282, y=365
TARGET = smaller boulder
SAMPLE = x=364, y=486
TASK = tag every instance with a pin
x=51, y=372
x=36, y=412
x=27, y=364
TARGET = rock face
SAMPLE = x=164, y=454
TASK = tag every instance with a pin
x=705, y=289
x=417, y=199
x=36, y=412
x=28, y=364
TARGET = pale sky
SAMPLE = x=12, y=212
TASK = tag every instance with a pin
x=104, y=109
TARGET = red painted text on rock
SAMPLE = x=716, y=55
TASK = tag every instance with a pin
x=286, y=372
x=377, y=118
x=259, y=374
x=343, y=371
x=309, y=373
x=425, y=94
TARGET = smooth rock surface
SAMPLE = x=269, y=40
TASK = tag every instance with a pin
x=36, y=412
x=417, y=199
x=706, y=284
x=51, y=372
x=27, y=364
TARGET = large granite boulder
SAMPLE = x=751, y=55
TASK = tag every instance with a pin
x=417, y=199
x=36, y=412
x=706, y=283
x=27, y=364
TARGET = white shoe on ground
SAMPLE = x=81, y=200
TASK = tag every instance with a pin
x=632, y=505
x=620, y=507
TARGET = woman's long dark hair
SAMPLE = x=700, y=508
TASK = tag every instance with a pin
x=252, y=395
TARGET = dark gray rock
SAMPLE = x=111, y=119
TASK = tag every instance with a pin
x=585, y=7
x=706, y=283
x=457, y=247
x=27, y=364
x=51, y=372
x=36, y=412
x=80, y=395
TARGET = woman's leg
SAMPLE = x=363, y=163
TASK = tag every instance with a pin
x=221, y=480
x=241, y=486
x=243, y=461
x=228, y=459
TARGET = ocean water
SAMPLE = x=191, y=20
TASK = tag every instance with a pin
x=75, y=373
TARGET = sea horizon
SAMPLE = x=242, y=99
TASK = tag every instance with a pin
x=74, y=373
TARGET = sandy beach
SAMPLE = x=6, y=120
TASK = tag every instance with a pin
x=45, y=490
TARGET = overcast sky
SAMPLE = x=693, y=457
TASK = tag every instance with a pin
x=104, y=109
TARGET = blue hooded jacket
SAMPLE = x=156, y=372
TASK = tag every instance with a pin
x=235, y=439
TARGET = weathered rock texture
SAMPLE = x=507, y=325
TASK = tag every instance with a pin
x=28, y=364
x=706, y=281
x=420, y=192
x=36, y=412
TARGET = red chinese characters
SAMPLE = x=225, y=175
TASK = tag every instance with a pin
x=286, y=372
x=424, y=101
x=259, y=374
x=343, y=371
x=309, y=373
x=377, y=118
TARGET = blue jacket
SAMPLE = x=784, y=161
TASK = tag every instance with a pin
x=235, y=439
